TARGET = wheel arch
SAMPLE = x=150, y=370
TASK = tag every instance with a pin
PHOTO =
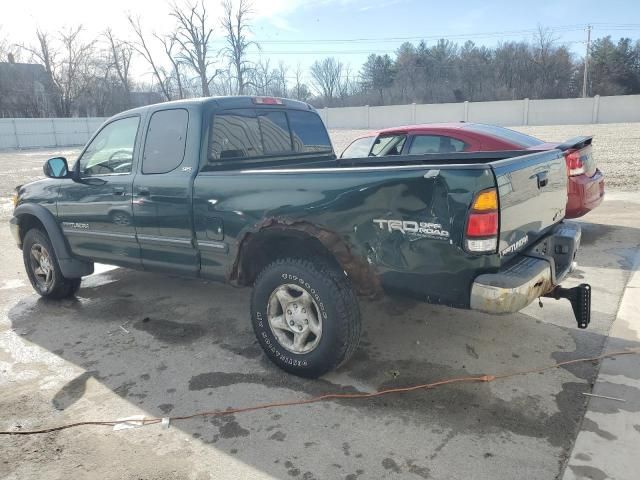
x=36, y=216
x=278, y=238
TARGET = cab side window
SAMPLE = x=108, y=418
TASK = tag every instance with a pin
x=435, y=144
x=111, y=151
x=165, y=142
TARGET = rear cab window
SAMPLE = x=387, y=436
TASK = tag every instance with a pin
x=505, y=134
x=253, y=133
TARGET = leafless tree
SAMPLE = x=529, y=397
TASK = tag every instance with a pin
x=235, y=24
x=73, y=75
x=327, y=75
x=4, y=50
x=262, y=77
x=281, y=86
x=121, y=54
x=142, y=47
x=169, y=43
x=193, y=34
x=68, y=66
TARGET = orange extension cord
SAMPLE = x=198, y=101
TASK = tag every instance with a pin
x=333, y=396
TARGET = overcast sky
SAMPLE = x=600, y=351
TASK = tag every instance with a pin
x=301, y=31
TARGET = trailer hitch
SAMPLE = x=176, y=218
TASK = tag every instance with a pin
x=580, y=298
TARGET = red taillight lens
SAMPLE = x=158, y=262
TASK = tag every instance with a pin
x=482, y=224
x=574, y=163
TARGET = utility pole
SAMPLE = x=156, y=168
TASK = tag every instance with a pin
x=586, y=63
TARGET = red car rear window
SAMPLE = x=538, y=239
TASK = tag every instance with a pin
x=505, y=134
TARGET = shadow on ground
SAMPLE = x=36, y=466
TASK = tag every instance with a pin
x=174, y=346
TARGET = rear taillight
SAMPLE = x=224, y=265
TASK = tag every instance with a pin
x=481, y=234
x=574, y=162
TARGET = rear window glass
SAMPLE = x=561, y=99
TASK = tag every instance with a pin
x=505, y=134
x=435, y=144
x=308, y=131
x=235, y=134
x=358, y=148
x=248, y=133
x=166, y=139
x=276, y=137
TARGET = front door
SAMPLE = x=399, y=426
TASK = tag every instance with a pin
x=96, y=209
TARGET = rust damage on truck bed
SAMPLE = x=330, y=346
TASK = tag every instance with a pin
x=363, y=276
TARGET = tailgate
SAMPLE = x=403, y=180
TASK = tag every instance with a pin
x=532, y=192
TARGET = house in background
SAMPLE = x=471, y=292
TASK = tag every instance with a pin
x=26, y=90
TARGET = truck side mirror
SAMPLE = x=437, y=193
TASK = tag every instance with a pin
x=56, y=167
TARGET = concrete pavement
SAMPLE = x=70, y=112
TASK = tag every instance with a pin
x=607, y=444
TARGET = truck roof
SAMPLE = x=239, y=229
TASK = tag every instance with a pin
x=244, y=101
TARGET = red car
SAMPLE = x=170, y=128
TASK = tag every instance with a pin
x=586, y=182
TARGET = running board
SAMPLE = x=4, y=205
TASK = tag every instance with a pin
x=580, y=298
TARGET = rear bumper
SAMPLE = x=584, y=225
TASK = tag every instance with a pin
x=533, y=274
x=584, y=194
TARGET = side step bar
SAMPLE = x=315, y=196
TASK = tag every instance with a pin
x=580, y=298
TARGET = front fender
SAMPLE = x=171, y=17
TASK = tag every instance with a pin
x=71, y=267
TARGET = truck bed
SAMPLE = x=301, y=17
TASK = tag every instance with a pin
x=344, y=199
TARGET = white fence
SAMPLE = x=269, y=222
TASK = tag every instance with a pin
x=565, y=111
x=46, y=132
x=65, y=132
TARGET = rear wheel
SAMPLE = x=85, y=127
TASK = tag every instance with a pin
x=305, y=315
x=42, y=267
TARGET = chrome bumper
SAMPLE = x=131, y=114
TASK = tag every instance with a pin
x=535, y=273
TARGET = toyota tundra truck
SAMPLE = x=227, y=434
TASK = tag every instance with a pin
x=248, y=190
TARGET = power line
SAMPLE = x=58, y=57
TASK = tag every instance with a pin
x=504, y=33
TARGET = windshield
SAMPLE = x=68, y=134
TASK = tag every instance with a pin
x=505, y=134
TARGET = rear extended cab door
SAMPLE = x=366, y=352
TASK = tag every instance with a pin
x=237, y=140
x=163, y=189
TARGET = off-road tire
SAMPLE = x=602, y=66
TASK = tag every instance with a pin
x=332, y=292
x=59, y=286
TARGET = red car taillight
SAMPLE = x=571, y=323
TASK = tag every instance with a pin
x=574, y=162
x=481, y=234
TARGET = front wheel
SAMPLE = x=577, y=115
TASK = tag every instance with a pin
x=305, y=315
x=42, y=267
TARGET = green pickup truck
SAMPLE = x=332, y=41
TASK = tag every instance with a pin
x=248, y=190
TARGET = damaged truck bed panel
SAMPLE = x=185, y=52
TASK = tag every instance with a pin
x=248, y=190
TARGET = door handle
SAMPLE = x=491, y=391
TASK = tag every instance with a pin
x=143, y=192
x=118, y=191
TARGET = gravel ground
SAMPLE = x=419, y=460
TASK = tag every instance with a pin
x=616, y=147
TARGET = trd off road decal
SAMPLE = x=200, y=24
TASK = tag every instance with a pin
x=414, y=229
